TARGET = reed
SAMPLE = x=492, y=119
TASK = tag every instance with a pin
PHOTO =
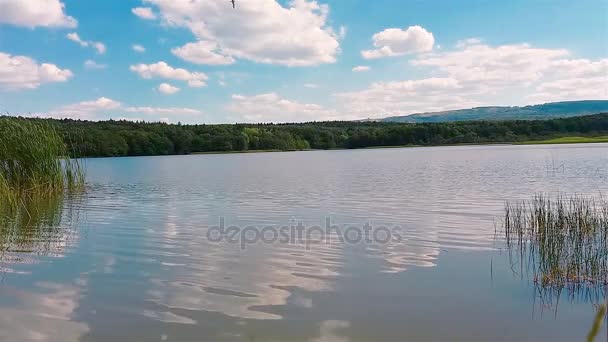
x=561, y=242
x=597, y=323
x=34, y=160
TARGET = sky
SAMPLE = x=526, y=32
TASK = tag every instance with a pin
x=202, y=61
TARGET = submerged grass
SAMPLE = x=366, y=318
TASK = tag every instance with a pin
x=35, y=226
x=34, y=160
x=562, y=241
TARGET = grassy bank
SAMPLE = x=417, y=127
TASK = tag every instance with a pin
x=568, y=140
x=34, y=160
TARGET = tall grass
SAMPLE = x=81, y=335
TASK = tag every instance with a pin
x=34, y=160
x=562, y=242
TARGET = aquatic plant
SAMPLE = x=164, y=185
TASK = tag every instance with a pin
x=561, y=242
x=34, y=160
x=38, y=226
x=597, y=323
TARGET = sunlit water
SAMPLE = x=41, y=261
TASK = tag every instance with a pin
x=132, y=260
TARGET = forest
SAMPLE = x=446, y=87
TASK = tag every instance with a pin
x=125, y=138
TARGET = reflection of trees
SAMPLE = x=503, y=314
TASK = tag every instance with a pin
x=36, y=226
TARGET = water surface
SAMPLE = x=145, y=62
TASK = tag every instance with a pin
x=131, y=258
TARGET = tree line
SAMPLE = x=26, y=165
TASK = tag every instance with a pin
x=125, y=138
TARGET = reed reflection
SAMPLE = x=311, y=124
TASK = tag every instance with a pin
x=36, y=226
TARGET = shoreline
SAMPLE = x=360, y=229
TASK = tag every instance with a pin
x=556, y=141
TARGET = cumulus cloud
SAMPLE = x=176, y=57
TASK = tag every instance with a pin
x=474, y=73
x=163, y=70
x=144, y=13
x=35, y=13
x=593, y=88
x=273, y=108
x=581, y=67
x=167, y=89
x=91, y=64
x=203, y=52
x=361, y=68
x=105, y=108
x=138, y=48
x=99, y=46
x=493, y=66
x=262, y=31
x=470, y=74
x=398, y=42
x=578, y=79
x=21, y=72
x=384, y=99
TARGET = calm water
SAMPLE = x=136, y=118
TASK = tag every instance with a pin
x=132, y=260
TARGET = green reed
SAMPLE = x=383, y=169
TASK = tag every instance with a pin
x=34, y=160
x=597, y=323
x=562, y=242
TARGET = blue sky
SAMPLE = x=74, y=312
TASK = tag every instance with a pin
x=205, y=62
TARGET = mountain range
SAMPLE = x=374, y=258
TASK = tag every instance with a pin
x=534, y=112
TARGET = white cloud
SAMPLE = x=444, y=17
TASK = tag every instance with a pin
x=311, y=85
x=73, y=36
x=461, y=44
x=163, y=70
x=196, y=83
x=91, y=64
x=144, y=13
x=105, y=108
x=21, y=72
x=398, y=42
x=342, y=33
x=99, y=46
x=581, y=67
x=85, y=110
x=221, y=81
x=262, y=31
x=361, y=68
x=593, y=88
x=203, y=52
x=272, y=108
x=475, y=74
x=492, y=66
x=163, y=111
x=573, y=79
x=469, y=75
x=167, y=89
x=138, y=48
x=384, y=99
x=35, y=13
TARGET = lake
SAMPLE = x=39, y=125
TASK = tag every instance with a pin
x=392, y=244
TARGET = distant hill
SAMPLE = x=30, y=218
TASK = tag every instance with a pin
x=535, y=112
